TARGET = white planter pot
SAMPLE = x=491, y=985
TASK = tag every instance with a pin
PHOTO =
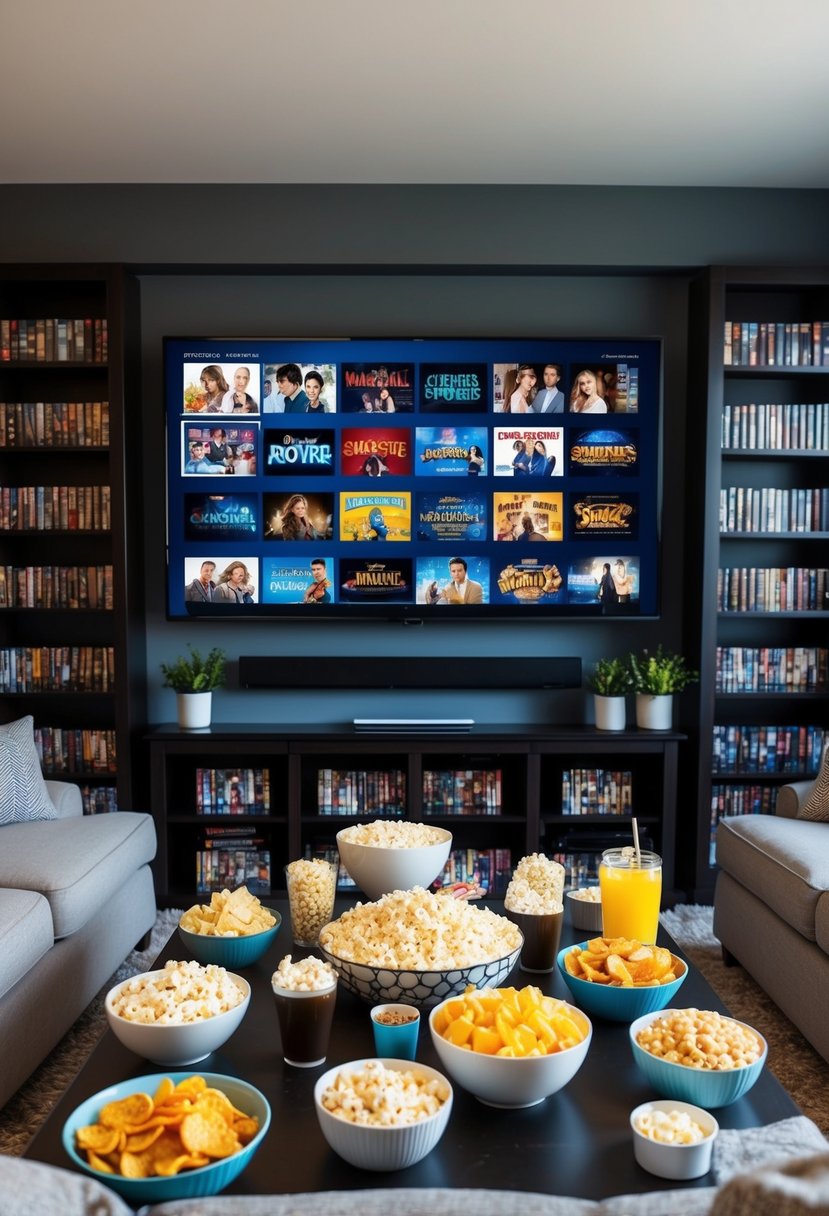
x=610, y=712
x=194, y=709
x=653, y=712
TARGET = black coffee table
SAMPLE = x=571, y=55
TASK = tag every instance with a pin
x=577, y=1142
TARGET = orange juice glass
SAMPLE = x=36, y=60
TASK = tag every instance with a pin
x=631, y=890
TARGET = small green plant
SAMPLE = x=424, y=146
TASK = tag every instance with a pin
x=195, y=674
x=660, y=672
x=610, y=678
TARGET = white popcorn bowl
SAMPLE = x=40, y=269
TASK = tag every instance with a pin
x=679, y=1162
x=176, y=1046
x=584, y=914
x=377, y=871
x=382, y=1148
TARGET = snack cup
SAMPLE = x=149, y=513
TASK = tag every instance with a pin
x=305, y=1019
x=395, y=1031
x=542, y=933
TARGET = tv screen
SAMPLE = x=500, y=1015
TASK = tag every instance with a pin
x=412, y=479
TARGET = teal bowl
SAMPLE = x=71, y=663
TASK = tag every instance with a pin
x=230, y=952
x=619, y=1004
x=190, y=1184
x=701, y=1086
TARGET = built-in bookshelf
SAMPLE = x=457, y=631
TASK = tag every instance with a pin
x=759, y=422
x=70, y=583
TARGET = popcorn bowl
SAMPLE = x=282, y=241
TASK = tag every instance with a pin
x=676, y=1161
x=393, y=1147
x=703, y=1087
x=175, y=1045
x=378, y=870
x=230, y=951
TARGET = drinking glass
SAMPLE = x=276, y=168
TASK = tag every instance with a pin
x=631, y=888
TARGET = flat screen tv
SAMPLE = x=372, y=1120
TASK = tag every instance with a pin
x=412, y=479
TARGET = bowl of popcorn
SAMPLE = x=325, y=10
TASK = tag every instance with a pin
x=380, y=1114
x=533, y=902
x=585, y=904
x=179, y=1014
x=619, y=978
x=510, y=1047
x=673, y=1139
x=161, y=1137
x=697, y=1055
x=393, y=854
x=417, y=948
x=233, y=930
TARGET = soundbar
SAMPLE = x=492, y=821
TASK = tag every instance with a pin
x=414, y=726
x=447, y=671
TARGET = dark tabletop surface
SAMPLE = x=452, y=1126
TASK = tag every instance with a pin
x=576, y=1142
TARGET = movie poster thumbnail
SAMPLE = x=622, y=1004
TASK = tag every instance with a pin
x=457, y=388
x=376, y=516
x=298, y=451
x=519, y=451
x=451, y=517
x=610, y=581
x=226, y=577
x=222, y=388
x=213, y=451
x=603, y=515
x=528, y=581
x=378, y=388
x=298, y=516
x=215, y=518
x=459, y=579
x=369, y=581
x=603, y=452
x=299, y=388
x=528, y=516
x=606, y=388
x=376, y=451
x=306, y=579
x=517, y=386
x=451, y=451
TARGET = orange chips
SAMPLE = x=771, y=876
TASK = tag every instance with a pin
x=182, y=1127
x=621, y=963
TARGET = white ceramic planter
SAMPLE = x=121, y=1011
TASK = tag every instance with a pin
x=194, y=709
x=653, y=712
x=610, y=712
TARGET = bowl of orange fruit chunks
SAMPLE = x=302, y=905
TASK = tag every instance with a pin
x=621, y=979
x=510, y=1047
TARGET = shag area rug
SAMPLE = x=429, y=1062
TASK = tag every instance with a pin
x=799, y=1069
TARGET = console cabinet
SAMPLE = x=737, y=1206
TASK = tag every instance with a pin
x=507, y=791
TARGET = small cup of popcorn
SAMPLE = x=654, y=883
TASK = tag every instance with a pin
x=312, y=887
x=533, y=901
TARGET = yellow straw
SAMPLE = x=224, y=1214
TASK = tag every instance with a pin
x=636, y=841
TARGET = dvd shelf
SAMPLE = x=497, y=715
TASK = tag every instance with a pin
x=233, y=791
x=376, y=792
x=54, y=340
x=781, y=669
x=29, y=669
x=56, y=587
x=54, y=424
x=789, y=425
x=764, y=589
x=462, y=792
x=772, y=343
x=596, y=791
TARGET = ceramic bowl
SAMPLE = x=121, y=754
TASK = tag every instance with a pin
x=584, y=914
x=230, y=952
x=189, y=1184
x=679, y=1162
x=702, y=1087
x=382, y=1148
x=175, y=1046
x=377, y=871
x=620, y=1004
x=511, y=1081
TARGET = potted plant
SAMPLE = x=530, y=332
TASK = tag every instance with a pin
x=656, y=676
x=194, y=677
x=609, y=681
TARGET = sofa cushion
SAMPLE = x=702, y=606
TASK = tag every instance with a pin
x=25, y=934
x=23, y=794
x=816, y=803
x=76, y=864
x=784, y=861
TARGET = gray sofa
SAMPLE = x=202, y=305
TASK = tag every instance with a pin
x=771, y=904
x=76, y=895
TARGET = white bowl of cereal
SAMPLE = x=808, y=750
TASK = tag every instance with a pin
x=417, y=948
x=393, y=854
x=381, y=1114
x=179, y=1014
x=673, y=1139
x=697, y=1055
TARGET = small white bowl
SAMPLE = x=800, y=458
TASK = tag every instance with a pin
x=382, y=1148
x=377, y=871
x=584, y=913
x=679, y=1162
x=176, y=1046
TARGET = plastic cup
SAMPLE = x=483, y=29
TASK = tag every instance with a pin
x=395, y=1031
x=305, y=1024
x=312, y=888
x=542, y=934
x=631, y=892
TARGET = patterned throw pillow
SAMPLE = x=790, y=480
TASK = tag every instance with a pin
x=816, y=804
x=23, y=794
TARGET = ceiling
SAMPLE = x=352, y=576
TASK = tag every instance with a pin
x=571, y=92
